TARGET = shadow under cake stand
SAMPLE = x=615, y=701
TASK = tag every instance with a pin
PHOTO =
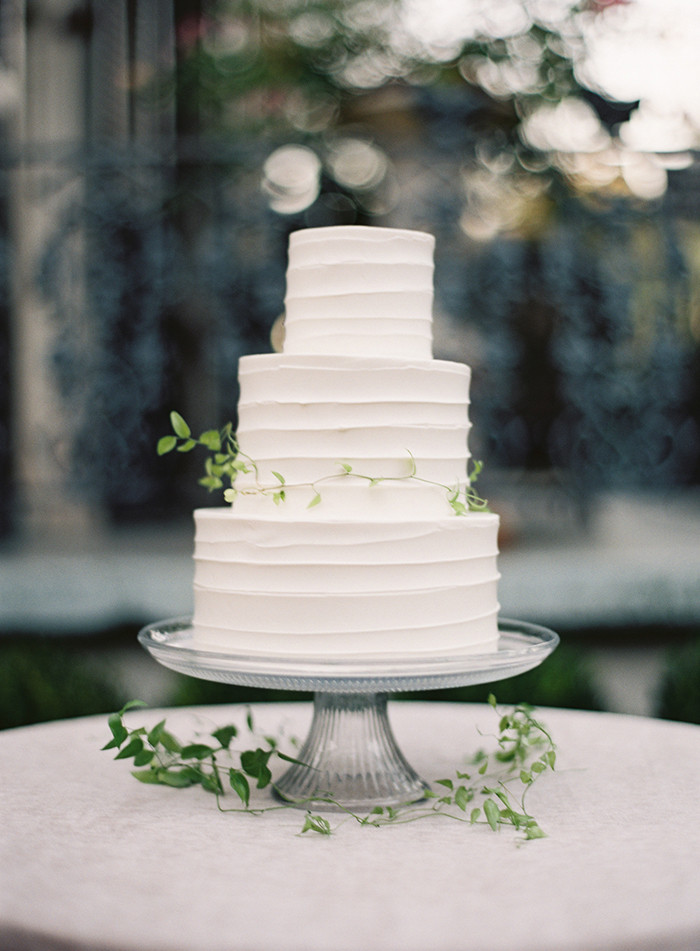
x=350, y=754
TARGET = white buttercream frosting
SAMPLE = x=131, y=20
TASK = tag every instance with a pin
x=356, y=412
x=360, y=291
x=305, y=416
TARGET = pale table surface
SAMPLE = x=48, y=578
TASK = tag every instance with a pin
x=92, y=859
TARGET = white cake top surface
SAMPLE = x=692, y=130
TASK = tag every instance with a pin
x=363, y=232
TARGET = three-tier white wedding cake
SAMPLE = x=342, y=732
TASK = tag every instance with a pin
x=348, y=533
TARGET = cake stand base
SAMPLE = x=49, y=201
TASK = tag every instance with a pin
x=351, y=758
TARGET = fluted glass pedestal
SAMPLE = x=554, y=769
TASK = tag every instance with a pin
x=350, y=754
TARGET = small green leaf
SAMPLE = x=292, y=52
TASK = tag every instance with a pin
x=211, y=782
x=132, y=705
x=212, y=483
x=459, y=508
x=133, y=747
x=314, y=501
x=179, y=778
x=290, y=759
x=187, y=446
x=155, y=733
x=463, y=797
x=504, y=756
x=211, y=439
x=474, y=815
x=445, y=782
x=240, y=785
x=144, y=757
x=179, y=425
x=280, y=478
x=196, y=751
x=254, y=763
x=118, y=730
x=225, y=734
x=492, y=813
x=146, y=776
x=166, y=444
x=316, y=824
x=168, y=742
x=533, y=831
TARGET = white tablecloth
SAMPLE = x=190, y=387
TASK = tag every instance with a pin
x=92, y=859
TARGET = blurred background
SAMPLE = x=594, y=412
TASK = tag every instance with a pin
x=154, y=157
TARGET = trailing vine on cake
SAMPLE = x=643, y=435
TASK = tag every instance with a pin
x=225, y=462
x=481, y=794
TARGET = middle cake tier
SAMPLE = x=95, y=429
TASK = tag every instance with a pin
x=309, y=420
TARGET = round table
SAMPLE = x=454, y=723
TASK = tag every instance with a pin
x=92, y=859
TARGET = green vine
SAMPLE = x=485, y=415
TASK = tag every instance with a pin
x=225, y=462
x=483, y=794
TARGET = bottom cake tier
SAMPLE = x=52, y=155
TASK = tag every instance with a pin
x=340, y=587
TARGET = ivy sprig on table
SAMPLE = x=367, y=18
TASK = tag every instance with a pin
x=168, y=762
x=482, y=794
x=225, y=462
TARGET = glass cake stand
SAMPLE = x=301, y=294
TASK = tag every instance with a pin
x=350, y=754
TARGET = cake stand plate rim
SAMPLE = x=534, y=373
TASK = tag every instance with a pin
x=522, y=645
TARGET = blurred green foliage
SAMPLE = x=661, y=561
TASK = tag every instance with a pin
x=42, y=679
x=563, y=680
x=678, y=696
x=301, y=66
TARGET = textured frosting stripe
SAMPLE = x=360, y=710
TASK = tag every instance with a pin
x=265, y=415
x=395, y=306
x=320, y=378
x=317, y=578
x=326, y=245
x=296, y=613
x=480, y=634
x=357, y=442
x=447, y=537
x=410, y=340
x=363, y=278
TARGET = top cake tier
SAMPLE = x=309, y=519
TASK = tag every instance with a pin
x=358, y=291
